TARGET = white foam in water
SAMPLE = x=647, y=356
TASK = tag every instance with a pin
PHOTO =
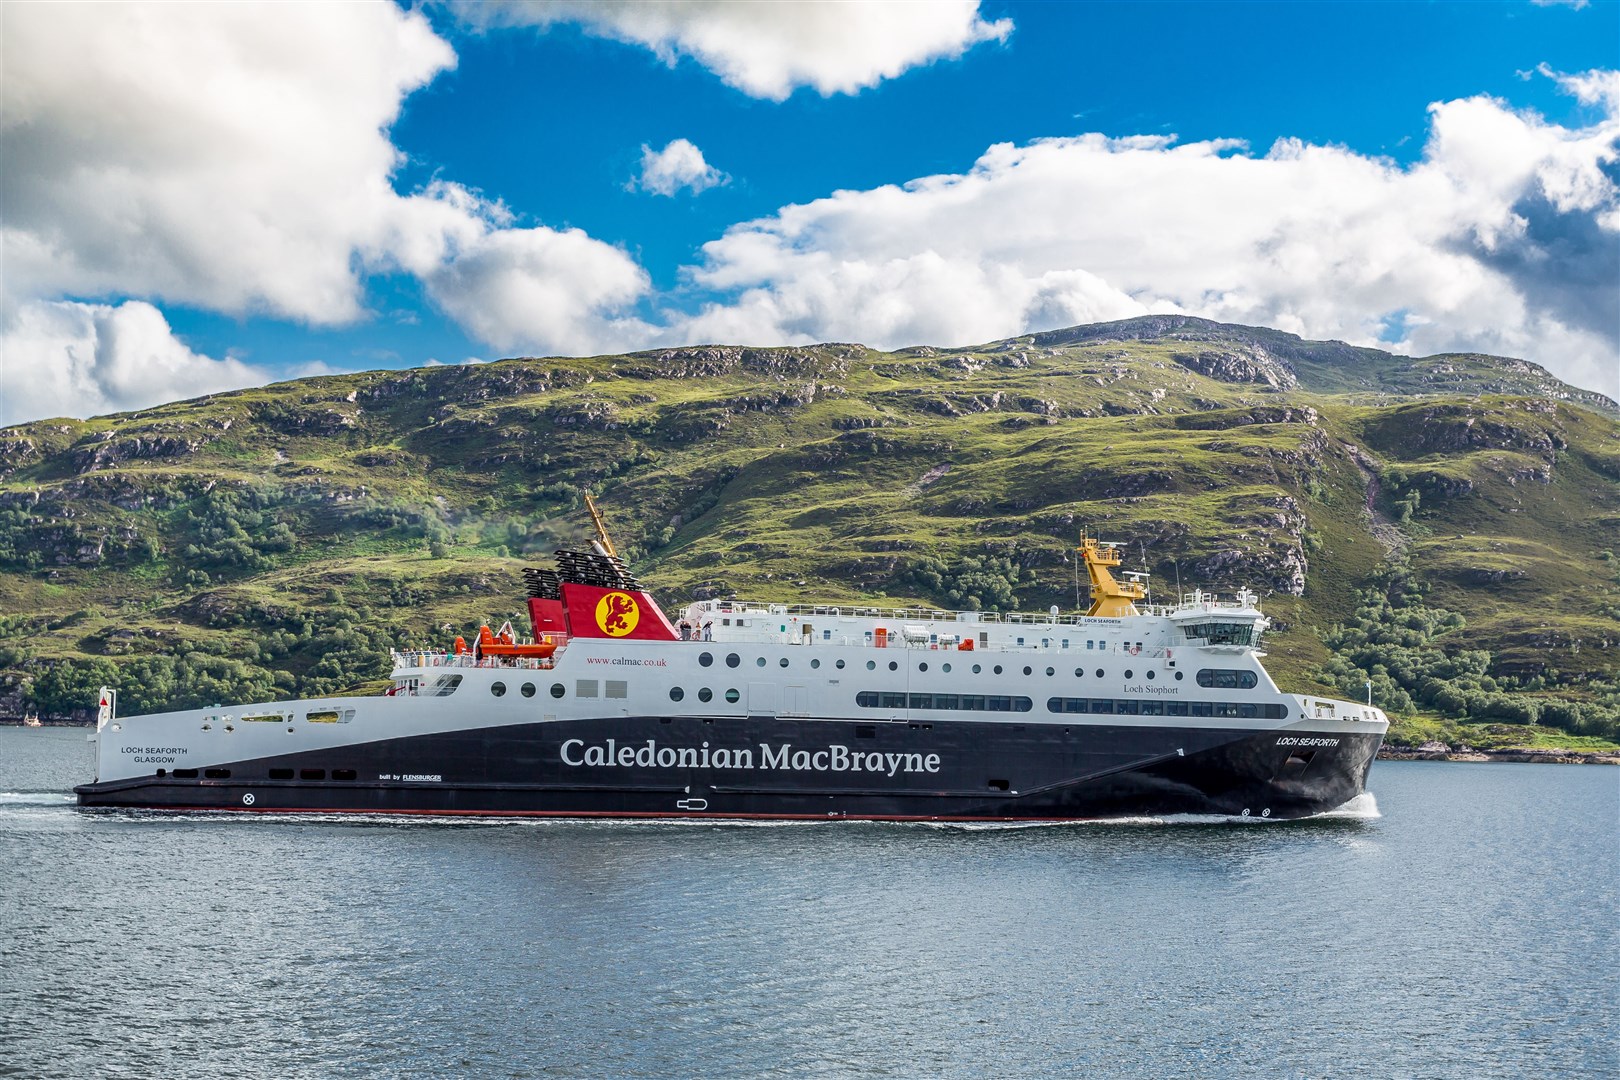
x=35, y=798
x=1363, y=807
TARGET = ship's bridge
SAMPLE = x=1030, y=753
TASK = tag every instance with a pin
x=1201, y=619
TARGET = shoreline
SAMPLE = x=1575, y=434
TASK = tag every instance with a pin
x=1511, y=754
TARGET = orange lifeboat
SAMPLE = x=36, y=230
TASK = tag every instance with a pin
x=504, y=644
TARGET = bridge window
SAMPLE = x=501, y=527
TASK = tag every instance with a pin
x=1222, y=633
x=1227, y=679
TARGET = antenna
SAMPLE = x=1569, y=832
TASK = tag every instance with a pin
x=1145, y=573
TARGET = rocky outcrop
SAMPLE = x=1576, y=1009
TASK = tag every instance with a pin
x=1253, y=366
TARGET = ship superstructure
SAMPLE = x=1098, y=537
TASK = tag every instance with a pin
x=743, y=709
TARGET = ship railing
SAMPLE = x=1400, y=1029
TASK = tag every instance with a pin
x=1187, y=602
x=430, y=659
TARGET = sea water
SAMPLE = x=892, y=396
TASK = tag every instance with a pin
x=1459, y=922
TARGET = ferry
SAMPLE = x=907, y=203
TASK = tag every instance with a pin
x=742, y=710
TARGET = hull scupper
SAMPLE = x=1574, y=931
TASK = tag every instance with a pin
x=737, y=709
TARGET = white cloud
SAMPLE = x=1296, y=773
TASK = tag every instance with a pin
x=543, y=290
x=68, y=359
x=769, y=49
x=235, y=157
x=232, y=156
x=678, y=165
x=1503, y=239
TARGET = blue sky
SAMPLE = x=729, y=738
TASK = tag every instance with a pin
x=270, y=193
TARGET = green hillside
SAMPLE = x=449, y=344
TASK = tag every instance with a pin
x=278, y=540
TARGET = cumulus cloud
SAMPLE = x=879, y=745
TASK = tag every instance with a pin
x=231, y=156
x=678, y=165
x=1503, y=239
x=769, y=48
x=526, y=288
x=69, y=359
x=234, y=157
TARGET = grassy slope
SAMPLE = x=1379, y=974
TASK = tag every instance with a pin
x=834, y=472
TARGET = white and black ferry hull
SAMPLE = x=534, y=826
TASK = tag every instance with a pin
x=790, y=768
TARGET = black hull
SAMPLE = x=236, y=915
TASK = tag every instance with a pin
x=949, y=771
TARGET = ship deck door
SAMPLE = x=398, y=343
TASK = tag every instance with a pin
x=797, y=703
x=761, y=699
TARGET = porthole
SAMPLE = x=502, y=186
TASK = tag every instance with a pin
x=977, y=669
x=996, y=670
x=922, y=667
x=1028, y=670
x=945, y=668
x=894, y=665
x=1152, y=675
x=732, y=696
x=705, y=694
x=557, y=689
x=1178, y=676
x=1051, y=671
x=1079, y=673
x=871, y=665
x=782, y=662
x=1129, y=673
x=527, y=690
x=759, y=661
x=497, y=688
x=815, y=664
x=1099, y=673
x=676, y=693
x=705, y=659
x=732, y=660
x=839, y=665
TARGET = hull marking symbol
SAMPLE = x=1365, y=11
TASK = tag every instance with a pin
x=691, y=804
x=247, y=800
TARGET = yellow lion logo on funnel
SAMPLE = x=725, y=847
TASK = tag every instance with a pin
x=617, y=614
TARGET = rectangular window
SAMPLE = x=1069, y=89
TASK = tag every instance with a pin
x=585, y=688
x=1175, y=708
x=892, y=700
x=343, y=774
x=1226, y=708
x=1090, y=644
x=281, y=774
x=329, y=716
x=1152, y=708
x=1125, y=708
x=973, y=702
x=312, y=774
x=1102, y=706
x=1020, y=641
x=1065, y=643
x=1200, y=708
x=617, y=688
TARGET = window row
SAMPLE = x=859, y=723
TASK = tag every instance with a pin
x=870, y=699
x=275, y=774
x=1227, y=679
x=1243, y=710
x=703, y=694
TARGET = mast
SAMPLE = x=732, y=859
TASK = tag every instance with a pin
x=603, y=543
x=1109, y=598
